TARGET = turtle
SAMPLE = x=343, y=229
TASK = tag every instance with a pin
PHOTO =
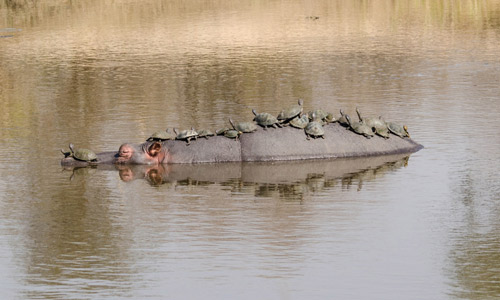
x=244, y=127
x=401, y=131
x=222, y=130
x=81, y=154
x=315, y=130
x=186, y=134
x=232, y=134
x=265, y=119
x=342, y=120
x=378, y=125
x=381, y=127
x=288, y=114
x=205, y=133
x=300, y=122
x=162, y=136
x=360, y=127
x=329, y=118
x=317, y=114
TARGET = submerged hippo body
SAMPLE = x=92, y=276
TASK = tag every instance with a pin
x=262, y=145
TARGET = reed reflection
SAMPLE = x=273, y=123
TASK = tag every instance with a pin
x=71, y=237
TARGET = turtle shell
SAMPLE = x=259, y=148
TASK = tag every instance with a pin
x=401, y=131
x=85, y=155
x=232, y=133
x=186, y=134
x=314, y=129
x=377, y=125
x=265, y=119
x=360, y=128
x=243, y=126
x=317, y=114
x=330, y=118
x=205, y=133
x=342, y=120
x=162, y=136
x=291, y=112
x=300, y=122
x=221, y=131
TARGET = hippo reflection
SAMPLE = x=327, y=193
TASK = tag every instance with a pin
x=262, y=145
x=288, y=179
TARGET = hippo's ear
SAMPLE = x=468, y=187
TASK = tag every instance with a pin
x=154, y=149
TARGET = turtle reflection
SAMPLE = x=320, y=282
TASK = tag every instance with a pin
x=286, y=180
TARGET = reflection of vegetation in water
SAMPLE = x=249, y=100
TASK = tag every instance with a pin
x=71, y=234
x=475, y=254
x=436, y=12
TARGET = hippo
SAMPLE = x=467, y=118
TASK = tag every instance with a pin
x=273, y=144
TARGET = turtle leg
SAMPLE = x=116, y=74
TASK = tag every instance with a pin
x=187, y=141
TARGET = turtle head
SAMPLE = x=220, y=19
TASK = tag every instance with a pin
x=406, y=130
x=254, y=111
x=347, y=118
x=231, y=122
x=301, y=102
x=359, y=114
x=175, y=130
x=72, y=148
x=66, y=154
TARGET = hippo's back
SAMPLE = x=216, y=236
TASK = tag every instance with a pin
x=291, y=144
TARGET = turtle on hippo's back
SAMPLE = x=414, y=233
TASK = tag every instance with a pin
x=162, y=136
x=290, y=113
x=186, y=135
x=81, y=154
x=245, y=127
x=265, y=119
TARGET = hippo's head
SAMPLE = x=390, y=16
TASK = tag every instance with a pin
x=149, y=153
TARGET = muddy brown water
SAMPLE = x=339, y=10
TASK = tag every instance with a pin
x=100, y=73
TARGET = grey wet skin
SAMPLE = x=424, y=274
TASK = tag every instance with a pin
x=262, y=145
